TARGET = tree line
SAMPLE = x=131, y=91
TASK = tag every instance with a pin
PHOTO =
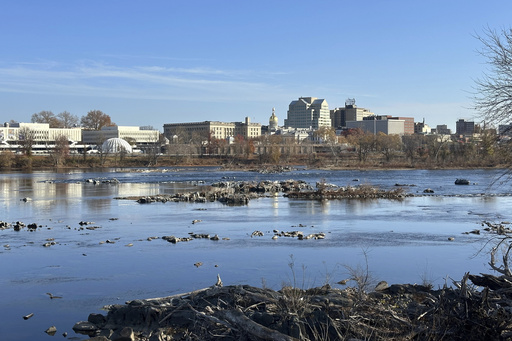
x=93, y=120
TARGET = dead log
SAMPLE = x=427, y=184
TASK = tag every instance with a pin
x=490, y=281
x=237, y=318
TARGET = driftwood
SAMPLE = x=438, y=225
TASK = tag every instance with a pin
x=237, y=318
x=398, y=312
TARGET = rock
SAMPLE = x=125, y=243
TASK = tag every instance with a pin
x=32, y=226
x=428, y=190
x=451, y=239
x=85, y=327
x=198, y=264
x=382, y=285
x=125, y=334
x=257, y=234
x=97, y=319
x=51, y=331
x=99, y=338
x=26, y=317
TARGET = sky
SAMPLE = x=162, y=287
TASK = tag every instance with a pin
x=163, y=61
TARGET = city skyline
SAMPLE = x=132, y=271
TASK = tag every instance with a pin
x=162, y=61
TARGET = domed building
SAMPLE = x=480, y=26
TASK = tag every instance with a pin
x=273, y=121
x=116, y=145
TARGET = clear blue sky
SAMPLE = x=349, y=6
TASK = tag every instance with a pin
x=156, y=62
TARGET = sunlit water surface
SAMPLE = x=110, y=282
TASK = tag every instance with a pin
x=403, y=241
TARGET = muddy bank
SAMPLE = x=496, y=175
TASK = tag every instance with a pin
x=396, y=312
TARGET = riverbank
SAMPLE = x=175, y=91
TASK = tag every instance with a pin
x=396, y=312
x=349, y=162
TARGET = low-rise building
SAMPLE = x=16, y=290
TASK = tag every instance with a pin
x=134, y=134
x=42, y=136
x=442, y=129
x=422, y=128
x=184, y=132
x=378, y=124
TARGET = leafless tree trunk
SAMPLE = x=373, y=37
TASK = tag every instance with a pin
x=26, y=140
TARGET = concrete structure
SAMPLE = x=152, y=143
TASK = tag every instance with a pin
x=129, y=133
x=219, y=130
x=464, y=128
x=378, y=124
x=116, y=145
x=308, y=112
x=340, y=116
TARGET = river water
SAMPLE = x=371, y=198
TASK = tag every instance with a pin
x=400, y=241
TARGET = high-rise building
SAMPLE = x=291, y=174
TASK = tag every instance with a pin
x=340, y=116
x=465, y=128
x=308, y=112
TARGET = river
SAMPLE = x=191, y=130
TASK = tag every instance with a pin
x=400, y=241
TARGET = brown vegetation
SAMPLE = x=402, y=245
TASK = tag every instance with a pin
x=356, y=149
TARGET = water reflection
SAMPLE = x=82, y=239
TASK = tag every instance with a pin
x=402, y=236
x=275, y=206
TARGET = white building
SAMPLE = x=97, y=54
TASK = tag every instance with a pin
x=129, y=133
x=41, y=134
x=308, y=112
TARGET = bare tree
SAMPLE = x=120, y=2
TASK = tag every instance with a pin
x=437, y=146
x=95, y=120
x=46, y=117
x=388, y=145
x=364, y=142
x=154, y=148
x=327, y=135
x=67, y=120
x=493, y=97
x=26, y=140
x=61, y=150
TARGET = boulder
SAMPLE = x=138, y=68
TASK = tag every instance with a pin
x=85, y=327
